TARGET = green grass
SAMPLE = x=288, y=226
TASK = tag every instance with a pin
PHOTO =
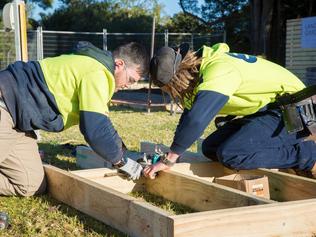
x=43, y=216
x=169, y=206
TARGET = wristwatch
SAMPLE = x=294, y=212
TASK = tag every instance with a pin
x=165, y=161
x=120, y=164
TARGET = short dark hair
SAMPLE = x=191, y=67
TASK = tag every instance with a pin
x=134, y=53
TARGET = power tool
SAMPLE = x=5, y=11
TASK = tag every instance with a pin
x=151, y=159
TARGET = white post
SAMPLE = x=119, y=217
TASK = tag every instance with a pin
x=105, y=39
x=166, y=37
x=14, y=18
x=151, y=55
x=39, y=39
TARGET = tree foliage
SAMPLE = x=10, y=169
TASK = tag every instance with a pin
x=229, y=15
x=3, y=2
x=95, y=15
x=268, y=24
x=254, y=26
x=182, y=22
x=83, y=15
x=42, y=3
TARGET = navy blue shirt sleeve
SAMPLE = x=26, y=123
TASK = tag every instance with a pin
x=194, y=121
x=100, y=134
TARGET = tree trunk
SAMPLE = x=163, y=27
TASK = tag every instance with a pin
x=261, y=17
x=276, y=41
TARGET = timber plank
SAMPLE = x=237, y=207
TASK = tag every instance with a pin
x=113, y=181
x=289, y=219
x=199, y=194
x=98, y=193
x=283, y=186
x=195, y=193
x=287, y=187
x=125, y=213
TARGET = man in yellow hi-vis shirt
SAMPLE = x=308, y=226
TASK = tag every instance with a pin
x=56, y=93
x=215, y=81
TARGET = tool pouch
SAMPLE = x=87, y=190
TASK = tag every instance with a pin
x=307, y=112
x=296, y=115
x=292, y=119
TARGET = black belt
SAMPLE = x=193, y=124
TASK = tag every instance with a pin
x=287, y=99
x=298, y=109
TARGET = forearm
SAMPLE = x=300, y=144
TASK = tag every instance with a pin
x=101, y=136
x=194, y=121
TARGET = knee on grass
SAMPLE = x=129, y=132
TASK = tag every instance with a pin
x=34, y=186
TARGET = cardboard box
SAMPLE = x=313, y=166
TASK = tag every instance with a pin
x=253, y=184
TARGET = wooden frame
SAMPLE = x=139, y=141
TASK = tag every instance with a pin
x=221, y=211
x=101, y=193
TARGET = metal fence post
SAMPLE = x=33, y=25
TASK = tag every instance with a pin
x=166, y=37
x=172, y=111
x=39, y=43
x=224, y=36
x=153, y=30
x=192, y=41
x=105, y=39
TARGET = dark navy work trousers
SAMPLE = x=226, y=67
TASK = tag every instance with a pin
x=260, y=141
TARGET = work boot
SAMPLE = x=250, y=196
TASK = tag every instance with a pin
x=307, y=173
x=313, y=171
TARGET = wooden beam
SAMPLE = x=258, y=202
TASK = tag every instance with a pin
x=195, y=193
x=23, y=29
x=290, y=219
x=199, y=194
x=283, y=186
x=123, y=212
x=138, y=218
x=111, y=179
x=287, y=187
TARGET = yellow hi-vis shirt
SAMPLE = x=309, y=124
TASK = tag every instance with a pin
x=250, y=82
x=78, y=83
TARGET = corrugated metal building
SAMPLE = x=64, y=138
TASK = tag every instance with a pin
x=301, y=57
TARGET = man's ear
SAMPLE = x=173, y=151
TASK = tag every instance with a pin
x=119, y=64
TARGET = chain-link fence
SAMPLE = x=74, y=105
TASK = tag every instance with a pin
x=7, y=48
x=43, y=44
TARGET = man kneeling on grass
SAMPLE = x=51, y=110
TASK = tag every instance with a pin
x=56, y=93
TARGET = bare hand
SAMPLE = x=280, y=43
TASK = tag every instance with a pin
x=151, y=170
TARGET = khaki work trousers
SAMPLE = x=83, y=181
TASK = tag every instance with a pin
x=21, y=169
